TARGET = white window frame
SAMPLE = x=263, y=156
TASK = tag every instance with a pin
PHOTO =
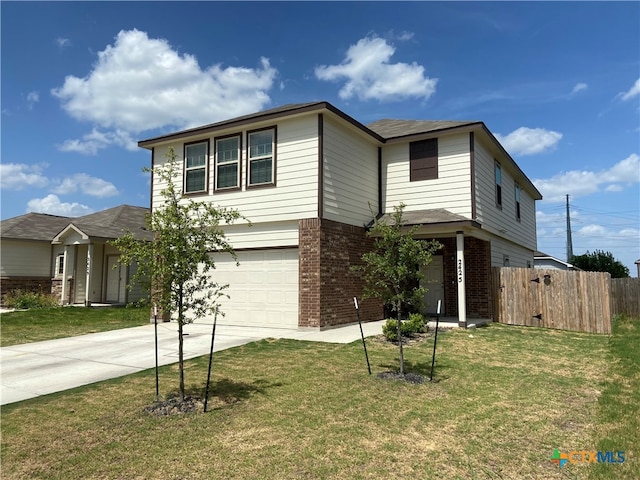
x=254, y=158
x=59, y=266
x=498, y=179
x=204, y=167
x=237, y=161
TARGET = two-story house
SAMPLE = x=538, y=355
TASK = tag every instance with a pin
x=311, y=178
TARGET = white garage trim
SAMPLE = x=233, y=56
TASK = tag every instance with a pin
x=263, y=289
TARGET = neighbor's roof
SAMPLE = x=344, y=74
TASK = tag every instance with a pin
x=112, y=223
x=109, y=223
x=33, y=226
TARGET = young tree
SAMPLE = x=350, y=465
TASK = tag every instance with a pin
x=177, y=265
x=600, y=261
x=392, y=271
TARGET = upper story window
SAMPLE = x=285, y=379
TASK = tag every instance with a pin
x=498, y=185
x=228, y=162
x=261, y=161
x=196, y=157
x=517, y=193
x=423, y=160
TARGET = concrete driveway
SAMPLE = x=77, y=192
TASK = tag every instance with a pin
x=40, y=368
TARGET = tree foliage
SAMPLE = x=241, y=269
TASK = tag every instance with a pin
x=600, y=261
x=177, y=266
x=392, y=272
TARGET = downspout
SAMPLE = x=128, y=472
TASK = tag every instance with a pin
x=380, y=209
x=320, y=165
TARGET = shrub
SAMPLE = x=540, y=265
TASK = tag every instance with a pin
x=415, y=324
x=23, y=299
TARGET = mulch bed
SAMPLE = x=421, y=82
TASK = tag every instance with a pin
x=407, y=377
x=173, y=406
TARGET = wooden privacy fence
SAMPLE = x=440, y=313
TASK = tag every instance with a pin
x=625, y=296
x=567, y=300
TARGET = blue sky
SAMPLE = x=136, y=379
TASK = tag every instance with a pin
x=558, y=83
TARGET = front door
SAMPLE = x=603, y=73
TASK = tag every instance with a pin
x=434, y=284
x=113, y=279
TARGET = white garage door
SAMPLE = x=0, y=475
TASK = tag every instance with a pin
x=263, y=289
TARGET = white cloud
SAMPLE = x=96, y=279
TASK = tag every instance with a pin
x=634, y=91
x=51, y=204
x=17, y=176
x=63, y=42
x=529, y=141
x=369, y=75
x=96, y=187
x=579, y=183
x=592, y=229
x=579, y=88
x=32, y=99
x=141, y=83
x=92, y=142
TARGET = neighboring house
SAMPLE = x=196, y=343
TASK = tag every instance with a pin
x=39, y=251
x=310, y=179
x=542, y=260
x=637, y=262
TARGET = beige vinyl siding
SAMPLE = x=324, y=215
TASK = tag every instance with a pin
x=350, y=182
x=518, y=255
x=296, y=192
x=24, y=258
x=263, y=235
x=451, y=190
x=503, y=221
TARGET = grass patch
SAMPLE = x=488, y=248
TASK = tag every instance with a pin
x=619, y=405
x=503, y=399
x=49, y=323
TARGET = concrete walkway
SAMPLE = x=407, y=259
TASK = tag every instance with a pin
x=34, y=369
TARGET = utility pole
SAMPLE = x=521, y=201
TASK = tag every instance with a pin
x=569, y=242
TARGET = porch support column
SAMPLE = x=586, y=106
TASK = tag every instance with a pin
x=87, y=297
x=462, y=304
x=65, y=281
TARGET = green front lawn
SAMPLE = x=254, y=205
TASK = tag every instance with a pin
x=48, y=323
x=504, y=399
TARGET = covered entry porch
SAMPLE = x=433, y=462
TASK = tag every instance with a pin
x=459, y=275
x=87, y=271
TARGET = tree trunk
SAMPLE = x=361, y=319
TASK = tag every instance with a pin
x=180, y=346
x=400, y=338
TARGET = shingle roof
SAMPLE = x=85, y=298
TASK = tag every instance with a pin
x=428, y=217
x=113, y=222
x=390, y=128
x=33, y=226
x=109, y=223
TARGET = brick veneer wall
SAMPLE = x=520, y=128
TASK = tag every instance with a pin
x=477, y=261
x=56, y=289
x=327, y=249
x=30, y=284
